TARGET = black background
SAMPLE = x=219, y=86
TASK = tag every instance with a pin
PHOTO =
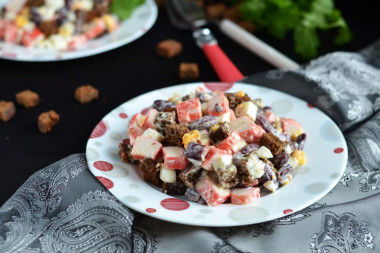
x=122, y=74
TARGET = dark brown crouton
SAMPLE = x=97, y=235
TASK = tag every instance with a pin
x=227, y=176
x=190, y=175
x=86, y=93
x=234, y=100
x=272, y=142
x=219, y=132
x=150, y=171
x=188, y=70
x=232, y=13
x=215, y=11
x=169, y=48
x=125, y=153
x=47, y=120
x=246, y=25
x=163, y=119
x=170, y=109
x=7, y=110
x=48, y=27
x=177, y=188
x=100, y=8
x=174, y=134
x=32, y=3
x=27, y=98
x=245, y=171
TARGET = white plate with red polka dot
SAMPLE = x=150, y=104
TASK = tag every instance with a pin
x=326, y=159
x=139, y=23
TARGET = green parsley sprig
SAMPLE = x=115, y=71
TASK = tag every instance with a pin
x=124, y=8
x=302, y=17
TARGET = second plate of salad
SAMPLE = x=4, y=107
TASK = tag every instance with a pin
x=235, y=154
x=55, y=30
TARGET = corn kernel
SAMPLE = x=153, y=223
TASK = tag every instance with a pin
x=287, y=180
x=300, y=156
x=214, y=127
x=240, y=93
x=141, y=121
x=20, y=21
x=110, y=22
x=190, y=137
x=66, y=30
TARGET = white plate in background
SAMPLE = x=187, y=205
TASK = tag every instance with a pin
x=141, y=20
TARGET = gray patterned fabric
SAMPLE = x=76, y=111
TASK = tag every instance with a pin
x=63, y=208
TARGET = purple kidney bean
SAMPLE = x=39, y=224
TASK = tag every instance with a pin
x=35, y=15
x=192, y=194
x=196, y=151
x=284, y=172
x=300, y=140
x=159, y=105
x=264, y=123
x=203, y=96
x=62, y=15
x=269, y=174
x=204, y=123
x=267, y=108
x=280, y=159
x=249, y=148
x=238, y=157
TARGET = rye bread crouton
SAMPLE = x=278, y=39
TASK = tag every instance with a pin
x=125, y=153
x=47, y=120
x=27, y=98
x=7, y=110
x=174, y=134
x=150, y=171
x=219, y=132
x=272, y=142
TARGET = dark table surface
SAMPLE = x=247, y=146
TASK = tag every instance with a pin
x=122, y=74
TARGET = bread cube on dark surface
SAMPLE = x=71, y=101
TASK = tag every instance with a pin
x=246, y=25
x=47, y=120
x=232, y=13
x=169, y=48
x=163, y=119
x=125, y=153
x=174, y=134
x=150, y=171
x=188, y=70
x=272, y=142
x=216, y=10
x=7, y=110
x=219, y=132
x=86, y=93
x=27, y=98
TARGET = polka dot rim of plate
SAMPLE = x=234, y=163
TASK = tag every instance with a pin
x=326, y=160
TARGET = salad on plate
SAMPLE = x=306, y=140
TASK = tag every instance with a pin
x=214, y=147
x=59, y=24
